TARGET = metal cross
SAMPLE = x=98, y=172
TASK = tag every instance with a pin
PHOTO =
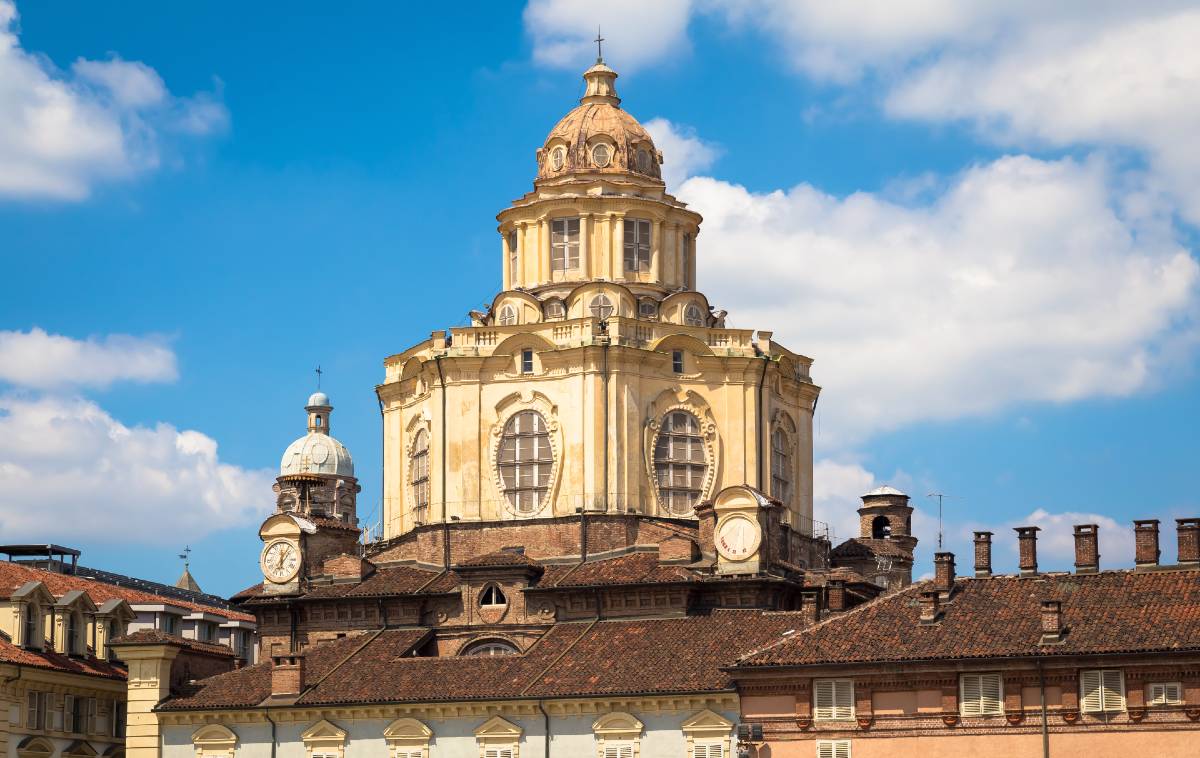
x=319, y=372
x=599, y=49
x=187, y=551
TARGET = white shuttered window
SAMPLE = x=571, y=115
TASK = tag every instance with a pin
x=618, y=750
x=833, y=700
x=833, y=748
x=1101, y=690
x=707, y=750
x=1166, y=693
x=499, y=752
x=981, y=695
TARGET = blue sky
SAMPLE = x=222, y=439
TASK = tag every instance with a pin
x=984, y=239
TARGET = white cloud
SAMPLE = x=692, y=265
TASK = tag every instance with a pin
x=1024, y=280
x=637, y=32
x=1056, y=540
x=39, y=360
x=63, y=132
x=70, y=471
x=684, y=153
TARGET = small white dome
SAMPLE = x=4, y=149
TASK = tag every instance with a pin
x=885, y=490
x=316, y=453
x=318, y=399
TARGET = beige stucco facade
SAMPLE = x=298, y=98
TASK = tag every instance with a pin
x=600, y=330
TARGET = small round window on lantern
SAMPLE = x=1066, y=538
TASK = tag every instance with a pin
x=557, y=157
x=602, y=307
x=601, y=155
x=643, y=160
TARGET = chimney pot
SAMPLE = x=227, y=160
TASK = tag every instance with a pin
x=1188, y=530
x=1145, y=542
x=1087, y=548
x=943, y=565
x=287, y=674
x=835, y=590
x=1027, y=540
x=1052, y=626
x=983, y=554
x=930, y=607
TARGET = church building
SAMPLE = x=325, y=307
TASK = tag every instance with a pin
x=596, y=498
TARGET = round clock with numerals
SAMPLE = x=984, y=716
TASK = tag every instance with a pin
x=737, y=537
x=280, y=560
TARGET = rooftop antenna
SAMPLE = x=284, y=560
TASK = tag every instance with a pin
x=940, y=496
x=599, y=49
x=187, y=551
x=319, y=372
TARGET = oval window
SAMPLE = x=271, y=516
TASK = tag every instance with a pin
x=557, y=157
x=601, y=155
x=525, y=461
x=602, y=307
x=692, y=315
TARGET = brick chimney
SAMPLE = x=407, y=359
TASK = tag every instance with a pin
x=287, y=674
x=1027, y=541
x=835, y=593
x=1189, y=541
x=1052, y=625
x=1087, y=548
x=943, y=573
x=931, y=607
x=1145, y=542
x=983, y=553
x=811, y=604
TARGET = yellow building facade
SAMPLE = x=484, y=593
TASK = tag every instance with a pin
x=600, y=379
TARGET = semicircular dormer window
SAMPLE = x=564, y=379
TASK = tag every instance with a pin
x=492, y=596
x=647, y=309
x=555, y=309
x=602, y=307
x=490, y=647
x=601, y=155
x=692, y=315
x=508, y=316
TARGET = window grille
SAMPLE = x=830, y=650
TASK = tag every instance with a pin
x=602, y=307
x=637, y=245
x=781, y=466
x=680, y=463
x=419, y=476
x=1101, y=690
x=833, y=748
x=981, y=695
x=564, y=244
x=508, y=316
x=692, y=315
x=833, y=700
x=1166, y=693
x=525, y=461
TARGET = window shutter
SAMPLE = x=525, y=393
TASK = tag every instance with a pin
x=1165, y=693
x=833, y=699
x=833, y=749
x=1113, y=682
x=1091, y=697
x=991, y=699
x=823, y=700
x=843, y=700
x=31, y=710
x=970, y=701
x=841, y=749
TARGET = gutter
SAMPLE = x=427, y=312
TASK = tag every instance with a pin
x=780, y=667
x=1042, y=704
x=267, y=716
x=545, y=729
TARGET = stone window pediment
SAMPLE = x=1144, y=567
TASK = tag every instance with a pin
x=214, y=740
x=498, y=738
x=324, y=738
x=618, y=735
x=407, y=738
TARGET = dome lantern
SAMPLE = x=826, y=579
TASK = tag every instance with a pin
x=601, y=85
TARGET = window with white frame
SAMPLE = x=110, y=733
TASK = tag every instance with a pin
x=499, y=752
x=692, y=315
x=637, y=245
x=781, y=466
x=492, y=596
x=508, y=316
x=708, y=750
x=525, y=461
x=618, y=750
x=1166, y=693
x=1101, y=690
x=36, y=706
x=833, y=700
x=526, y=361
x=564, y=244
x=418, y=472
x=981, y=695
x=679, y=462
x=555, y=309
x=833, y=748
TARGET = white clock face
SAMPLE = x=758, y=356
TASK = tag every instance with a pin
x=280, y=560
x=737, y=538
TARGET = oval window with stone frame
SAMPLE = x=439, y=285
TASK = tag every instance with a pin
x=601, y=155
x=558, y=156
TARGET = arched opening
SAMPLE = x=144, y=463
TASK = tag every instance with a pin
x=492, y=596
x=781, y=466
x=679, y=463
x=881, y=528
x=418, y=468
x=508, y=316
x=490, y=647
x=525, y=460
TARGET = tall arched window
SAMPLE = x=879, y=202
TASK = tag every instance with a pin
x=525, y=461
x=679, y=462
x=508, y=316
x=781, y=466
x=692, y=315
x=602, y=307
x=418, y=466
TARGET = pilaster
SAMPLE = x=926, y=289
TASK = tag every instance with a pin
x=149, y=683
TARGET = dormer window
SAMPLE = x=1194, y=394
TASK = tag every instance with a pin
x=555, y=309
x=74, y=637
x=508, y=316
x=31, y=635
x=564, y=244
x=601, y=307
x=637, y=245
x=647, y=309
x=601, y=155
x=492, y=596
x=170, y=623
x=692, y=315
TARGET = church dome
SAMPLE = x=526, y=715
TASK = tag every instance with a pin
x=318, y=400
x=317, y=453
x=599, y=136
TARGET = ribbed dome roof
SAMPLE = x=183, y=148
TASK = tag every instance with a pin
x=316, y=453
x=571, y=146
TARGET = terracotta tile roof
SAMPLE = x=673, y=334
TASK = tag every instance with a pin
x=1109, y=612
x=14, y=575
x=385, y=582
x=499, y=558
x=146, y=636
x=89, y=666
x=866, y=548
x=662, y=656
x=626, y=569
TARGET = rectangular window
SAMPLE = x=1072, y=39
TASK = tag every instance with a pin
x=564, y=244
x=637, y=245
x=30, y=634
x=118, y=718
x=833, y=748
x=512, y=252
x=618, y=750
x=1166, y=693
x=171, y=624
x=499, y=752
x=677, y=361
x=93, y=710
x=526, y=361
x=1101, y=690
x=981, y=695
x=708, y=750
x=833, y=700
x=35, y=709
x=74, y=713
x=687, y=261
